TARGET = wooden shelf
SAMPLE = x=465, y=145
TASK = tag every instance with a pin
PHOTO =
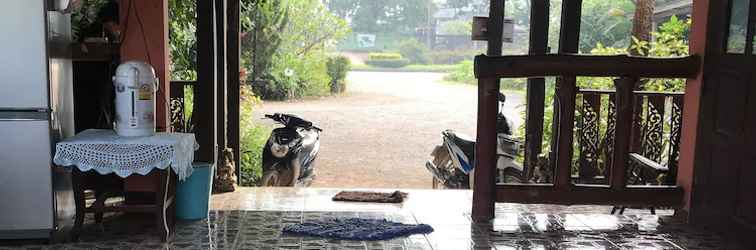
x=94, y=51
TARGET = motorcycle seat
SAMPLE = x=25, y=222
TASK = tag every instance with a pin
x=464, y=142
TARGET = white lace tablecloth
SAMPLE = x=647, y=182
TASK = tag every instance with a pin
x=106, y=152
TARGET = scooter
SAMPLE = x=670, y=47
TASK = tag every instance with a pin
x=453, y=161
x=290, y=153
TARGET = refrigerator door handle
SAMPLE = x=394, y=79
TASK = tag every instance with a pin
x=25, y=116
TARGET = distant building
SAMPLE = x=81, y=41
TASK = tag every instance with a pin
x=668, y=8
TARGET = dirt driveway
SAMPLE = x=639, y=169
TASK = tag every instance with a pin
x=380, y=133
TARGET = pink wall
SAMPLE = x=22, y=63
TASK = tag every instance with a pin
x=151, y=36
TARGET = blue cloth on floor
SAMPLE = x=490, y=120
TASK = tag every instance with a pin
x=357, y=229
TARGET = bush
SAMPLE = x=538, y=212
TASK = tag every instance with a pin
x=464, y=73
x=415, y=51
x=253, y=137
x=388, y=63
x=294, y=76
x=457, y=27
x=287, y=42
x=338, y=67
x=451, y=56
x=384, y=56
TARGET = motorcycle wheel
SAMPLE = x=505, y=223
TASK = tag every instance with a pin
x=270, y=178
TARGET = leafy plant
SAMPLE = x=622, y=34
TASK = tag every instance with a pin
x=338, y=66
x=451, y=56
x=464, y=73
x=384, y=56
x=286, y=41
x=253, y=136
x=388, y=63
x=387, y=60
x=85, y=19
x=183, y=41
x=456, y=27
x=415, y=51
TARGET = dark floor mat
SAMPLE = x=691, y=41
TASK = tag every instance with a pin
x=358, y=196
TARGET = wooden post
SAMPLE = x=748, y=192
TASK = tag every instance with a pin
x=220, y=46
x=564, y=105
x=204, y=117
x=146, y=39
x=536, y=90
x=233, y=41
x=484, y=190
x=706, y=40
x=623, y=130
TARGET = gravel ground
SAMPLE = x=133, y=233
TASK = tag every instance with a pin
x=380, y=133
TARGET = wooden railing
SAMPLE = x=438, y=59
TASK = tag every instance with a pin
x=180, y=105
x=622, y=151
x=655, y=136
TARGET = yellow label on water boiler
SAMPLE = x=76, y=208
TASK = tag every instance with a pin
x=145, y=92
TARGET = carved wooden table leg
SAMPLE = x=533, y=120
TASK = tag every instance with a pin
x=77, y=180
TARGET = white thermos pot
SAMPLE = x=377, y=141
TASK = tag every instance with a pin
x=135, y=86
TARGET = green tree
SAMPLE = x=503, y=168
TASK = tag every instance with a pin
x=605, y=22
x=395, y=16
x=285, y=45
x=457, y=27
x=183, y=41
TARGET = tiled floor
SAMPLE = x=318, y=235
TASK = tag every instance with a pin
x=252, y=218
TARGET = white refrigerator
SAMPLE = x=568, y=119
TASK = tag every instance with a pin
x=36, y=110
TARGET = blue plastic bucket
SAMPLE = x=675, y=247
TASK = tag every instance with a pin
x=193, y=193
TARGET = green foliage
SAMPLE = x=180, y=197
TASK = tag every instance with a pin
x=456, y=27
x=385, y=16
x=183, y=40
x=387, y=60
x=464, y=73
x=451, y=56
x=416, y=52
x=338, y=66
x=85, y=19
x=388, y=63
x=286, y=42
x=606, y=22
x=253, y=136
x=384, y=56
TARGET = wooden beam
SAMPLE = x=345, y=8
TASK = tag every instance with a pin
x=204, y=114
x=586, y=65
x=663, y=196
x=536, y=89
x=485, y=146
x=233, y=40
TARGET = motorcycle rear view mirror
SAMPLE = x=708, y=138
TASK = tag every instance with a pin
x=502, y=97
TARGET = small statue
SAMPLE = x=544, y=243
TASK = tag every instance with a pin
x=543, y=172
x=225, y=178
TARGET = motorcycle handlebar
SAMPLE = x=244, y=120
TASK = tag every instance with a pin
x=286, y=120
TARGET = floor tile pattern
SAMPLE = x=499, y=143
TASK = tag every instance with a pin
x=252, y=219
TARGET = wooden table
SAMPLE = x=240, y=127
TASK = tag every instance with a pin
x=160, y=184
